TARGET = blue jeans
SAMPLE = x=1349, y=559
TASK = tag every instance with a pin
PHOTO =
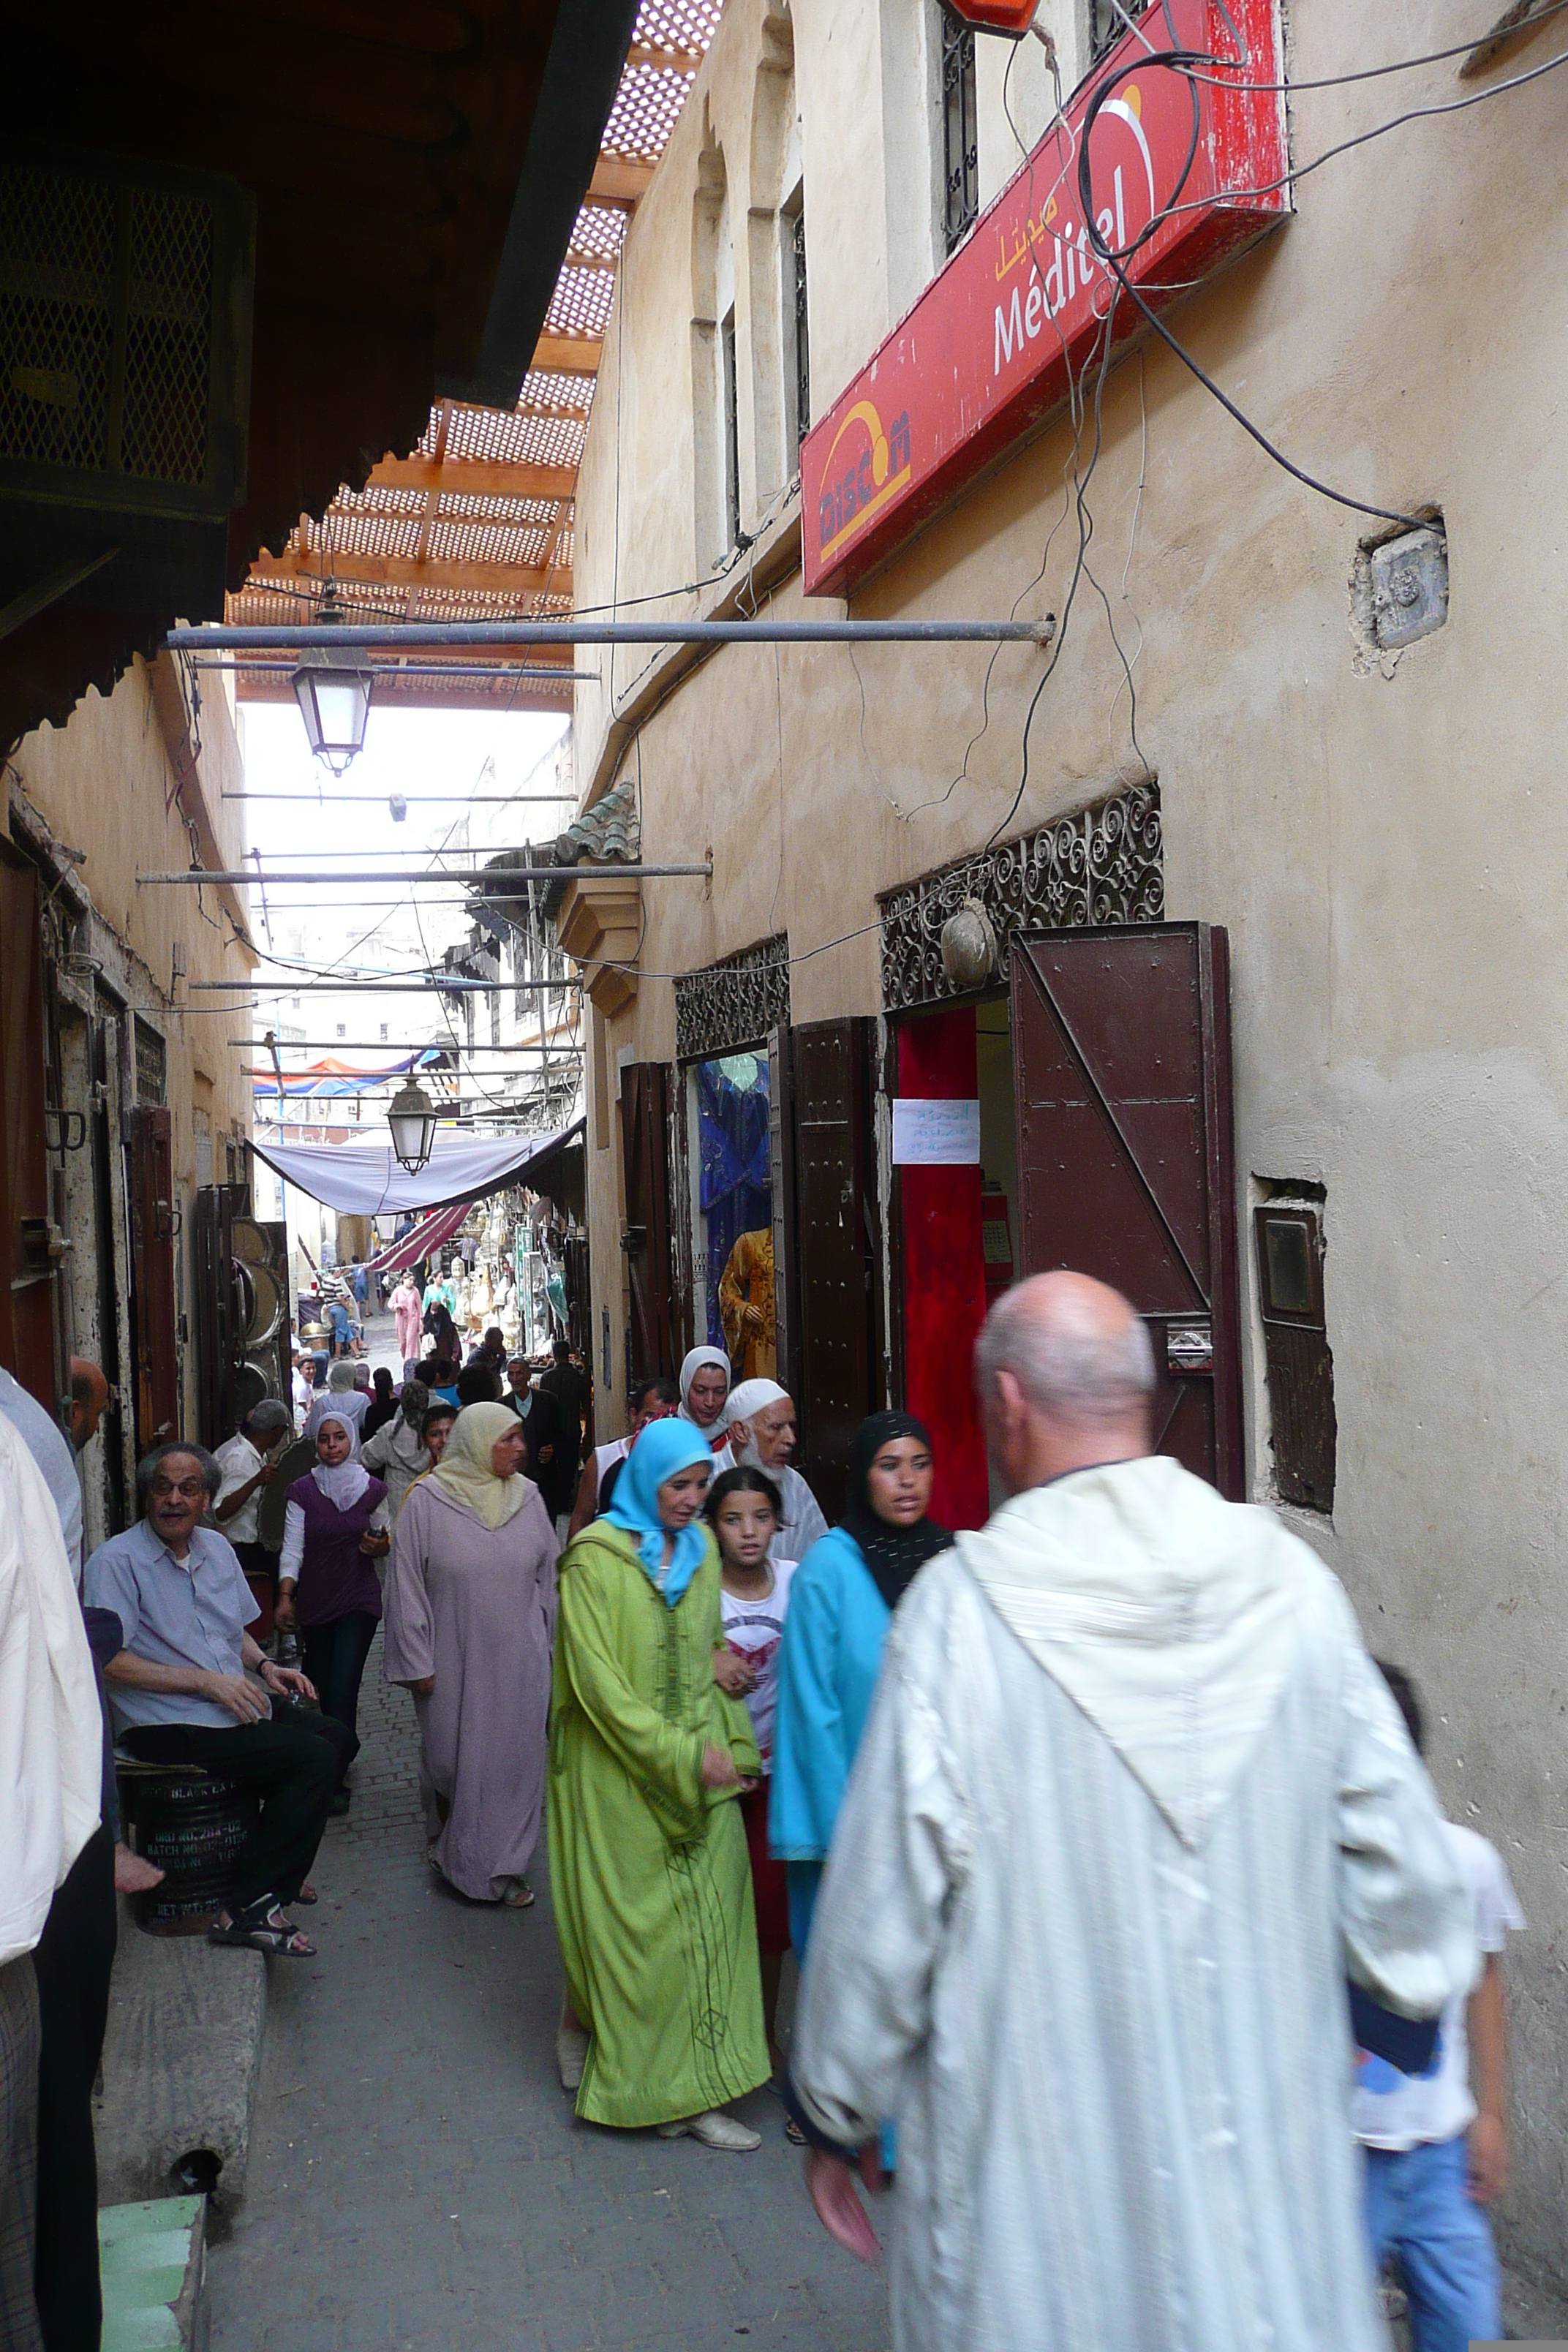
x=1418, y=2206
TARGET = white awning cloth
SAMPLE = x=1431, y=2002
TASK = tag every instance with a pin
x=364, y=1180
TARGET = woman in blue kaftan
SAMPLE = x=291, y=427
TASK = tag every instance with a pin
x=841, y=1605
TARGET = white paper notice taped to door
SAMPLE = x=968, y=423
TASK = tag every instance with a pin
x=935, y=1134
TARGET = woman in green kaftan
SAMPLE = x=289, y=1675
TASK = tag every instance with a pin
x=649, y=1867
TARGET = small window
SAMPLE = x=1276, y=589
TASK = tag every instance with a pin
x=732, y=397
x=960, y=143
x=1300, y=1369
x=343, y=1028
x=797, y=332
x=384, y=1032
x=1107, y=20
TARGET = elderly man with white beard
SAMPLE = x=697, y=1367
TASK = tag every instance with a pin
x=763, y=1427
x=1131, y=1804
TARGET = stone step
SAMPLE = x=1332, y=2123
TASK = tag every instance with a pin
x=180, y=2060
x=153, y=2260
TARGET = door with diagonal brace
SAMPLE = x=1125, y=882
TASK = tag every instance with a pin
x=1126, y=1167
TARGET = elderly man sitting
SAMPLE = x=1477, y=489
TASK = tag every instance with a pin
x=181, y=1695
x=763, y=1436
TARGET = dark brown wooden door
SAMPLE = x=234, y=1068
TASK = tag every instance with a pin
x=27, y=1294
x=1121, y=1071
x=838, y=1247
x=645, y=1236
x=152, y=1192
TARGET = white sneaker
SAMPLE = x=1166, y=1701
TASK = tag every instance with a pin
x=714, y=2128
x=571, y=2056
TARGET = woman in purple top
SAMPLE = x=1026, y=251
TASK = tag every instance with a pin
x=334, y=1531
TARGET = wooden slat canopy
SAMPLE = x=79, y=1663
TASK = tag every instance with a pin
x=477, y=521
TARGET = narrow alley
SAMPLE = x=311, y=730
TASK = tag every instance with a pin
x=417, y=2178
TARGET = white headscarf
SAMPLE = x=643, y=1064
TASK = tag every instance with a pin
x=343, y=1483
x=348, y=1405
x=743, y=1404
x=689, y=1369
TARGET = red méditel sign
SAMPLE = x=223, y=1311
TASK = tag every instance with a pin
x=985, y=352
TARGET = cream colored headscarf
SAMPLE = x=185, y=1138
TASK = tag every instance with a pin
x=463, y=1470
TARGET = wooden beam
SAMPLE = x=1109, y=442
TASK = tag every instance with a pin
x=648, y=53
x=433, y=694
x=567, y=355
x=404, y=572
x=474, y=477
x=617, y=180
x=600, y=264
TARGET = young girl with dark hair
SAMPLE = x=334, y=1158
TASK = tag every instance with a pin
x=745, y=1511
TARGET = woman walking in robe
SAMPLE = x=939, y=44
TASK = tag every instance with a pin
x=471, y=1611
x=334, y=1531
x=647, y=1850
x=704, y=1386
x=397, y=1451
x=841, y=1602
x=406, y=1307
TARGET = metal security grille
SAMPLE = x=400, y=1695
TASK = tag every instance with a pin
x=960, y=147
x=801, y=332
x=151, y=1065
x=163, y=431
x=124, y=297
x=732, y=1003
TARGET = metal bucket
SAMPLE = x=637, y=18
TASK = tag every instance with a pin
x=194, y=1828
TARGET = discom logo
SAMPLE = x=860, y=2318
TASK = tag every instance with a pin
x=1073, y=265
x=874, y=468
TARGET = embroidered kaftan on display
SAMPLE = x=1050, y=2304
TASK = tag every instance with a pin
x=1132, y=1802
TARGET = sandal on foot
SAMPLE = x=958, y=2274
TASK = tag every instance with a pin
x=794, y=2133
x=519, y=1896
x=265, y=1928
x=714, y=2128
x=307, y=1895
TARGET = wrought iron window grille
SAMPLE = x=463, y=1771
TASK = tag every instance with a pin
x=1104, y=864
x=731, y=392
x=801, y=330
x=960, y=135
x=734, y=1003
x=1107, y=20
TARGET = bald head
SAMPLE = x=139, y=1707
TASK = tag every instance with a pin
x=90, y=1394
x=1066, y=1375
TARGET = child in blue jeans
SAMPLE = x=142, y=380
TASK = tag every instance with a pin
x=1435, y=2153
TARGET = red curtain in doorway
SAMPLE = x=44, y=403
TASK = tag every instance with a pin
x=945, y=1272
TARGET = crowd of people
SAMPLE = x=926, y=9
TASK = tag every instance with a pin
x=1123, y=1904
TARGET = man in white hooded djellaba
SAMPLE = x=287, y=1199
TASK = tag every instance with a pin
x=1131, y=1804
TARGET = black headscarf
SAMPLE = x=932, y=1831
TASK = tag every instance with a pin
x=892, y=1554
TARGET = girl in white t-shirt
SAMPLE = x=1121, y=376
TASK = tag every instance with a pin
x=745, y=1511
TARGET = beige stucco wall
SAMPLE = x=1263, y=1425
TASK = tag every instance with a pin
x=111, y=785
x=1386, y=851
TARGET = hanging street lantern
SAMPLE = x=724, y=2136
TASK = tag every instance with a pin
x=411, y=1116
x=334, y=692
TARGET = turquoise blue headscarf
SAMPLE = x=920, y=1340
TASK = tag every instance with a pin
x=662, y=1448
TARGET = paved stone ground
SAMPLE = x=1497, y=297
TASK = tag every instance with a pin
x=417, y=2178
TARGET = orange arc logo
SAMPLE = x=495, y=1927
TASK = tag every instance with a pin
x=864, y=414
x=886, y=485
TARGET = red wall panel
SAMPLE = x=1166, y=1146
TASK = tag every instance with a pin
x=945, y=1272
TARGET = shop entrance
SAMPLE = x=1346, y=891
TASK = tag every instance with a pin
x=1080, y=1118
